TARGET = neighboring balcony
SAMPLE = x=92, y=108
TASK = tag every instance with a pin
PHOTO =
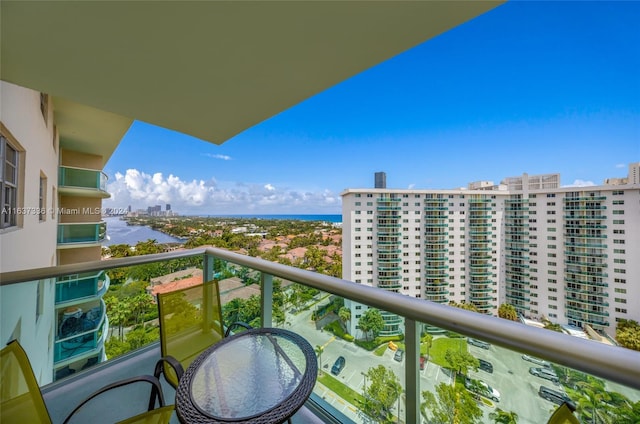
x=81, y=234
x=617, y=369
x=72, y=288
x=81, y=332
x=82, y=182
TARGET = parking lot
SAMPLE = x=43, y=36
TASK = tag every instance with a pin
x=518, y=388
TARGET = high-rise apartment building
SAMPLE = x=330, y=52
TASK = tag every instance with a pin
x=565, y=254
x=52, y=152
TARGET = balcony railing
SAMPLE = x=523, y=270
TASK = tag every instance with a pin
x=82, y=182
x=621, y=367
x=72, y=288
x=81, y=233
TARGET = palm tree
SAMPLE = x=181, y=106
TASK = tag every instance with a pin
x=319, y=350
x=593, y=402
x=503, y=417
x=344, y=314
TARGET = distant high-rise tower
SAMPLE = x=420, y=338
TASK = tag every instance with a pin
x=380, y=180
x=168, y=207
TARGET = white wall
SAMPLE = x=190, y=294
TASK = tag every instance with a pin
x=31, y=244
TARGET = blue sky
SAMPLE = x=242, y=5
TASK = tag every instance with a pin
x=536, y=87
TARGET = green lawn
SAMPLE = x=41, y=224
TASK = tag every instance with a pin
x=340, y=389
x=440, y=347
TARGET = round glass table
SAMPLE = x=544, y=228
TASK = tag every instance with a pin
x=261, y=375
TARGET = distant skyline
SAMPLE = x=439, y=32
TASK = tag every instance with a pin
x=535, y=87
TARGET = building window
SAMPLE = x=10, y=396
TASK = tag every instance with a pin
x=9, y=156
x=42, y=199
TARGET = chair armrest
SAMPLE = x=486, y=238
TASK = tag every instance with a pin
x=173, y=363
x=156, y=391
x=236, y=324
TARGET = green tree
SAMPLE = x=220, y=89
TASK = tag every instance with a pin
x=508, y=311
x=553, y=327
x=344, y=314
x=140, y=304
x=460, y=362
x=465, y=306
x=142, y=336
x=381, y=394
x=371, y=322
x=628, y=334
x=500, y=416
x=451, y=404
x=593, y=401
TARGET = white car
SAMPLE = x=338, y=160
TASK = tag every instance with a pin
x=536, y=361
x=486, y=390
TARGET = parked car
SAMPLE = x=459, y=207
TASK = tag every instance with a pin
x=482, y=388
x=338, y=365
x=553, y=395
x=536, y=361
x=399, y=355
x=485, y=366
x=544, y=373
x=478, y=343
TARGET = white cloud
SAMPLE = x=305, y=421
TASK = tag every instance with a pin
x=621, y=165
x=411, y=186
x=207, y=197
x=218, y=156
x=581, y=183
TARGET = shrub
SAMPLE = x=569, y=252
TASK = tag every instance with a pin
x=348, y=337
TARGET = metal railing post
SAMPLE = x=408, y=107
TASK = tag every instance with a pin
x=412, y=371
x=266, y=298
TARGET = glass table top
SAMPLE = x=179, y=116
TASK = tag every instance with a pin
x=247, y=376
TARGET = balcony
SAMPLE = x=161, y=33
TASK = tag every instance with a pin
x=81, y=234
x=82, y=335
x=509, y=340
x=82, y=182
x=72, y=288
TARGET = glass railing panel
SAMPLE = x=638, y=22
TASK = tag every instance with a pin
x=80, y=286
x=82, y=178
x=505, y=382
x=72, y=233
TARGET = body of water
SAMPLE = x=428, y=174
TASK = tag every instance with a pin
x=326, y=218
x=118, y=232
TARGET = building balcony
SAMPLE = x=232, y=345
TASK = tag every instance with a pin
x=81, y=332
x=82, y=182
x=517, y=298
x=81, y=234
x=584, y=199
x=388, y=208
x=587, y=300
x=619, y=367
x=436, y=208
x=587, y=319
x=72, y=288
x=584, y=208
x=590, y=245
x=577, y=261
x=585, y=217
x=570, y=289
x=390, y=226
x=388, y=199
x=586, y=272
x=590, y=254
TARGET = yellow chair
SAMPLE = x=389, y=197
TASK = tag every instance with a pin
x=564, y=415
x=190, y=322
x=21, y=400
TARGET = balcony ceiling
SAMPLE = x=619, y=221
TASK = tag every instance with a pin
x=205, y=68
